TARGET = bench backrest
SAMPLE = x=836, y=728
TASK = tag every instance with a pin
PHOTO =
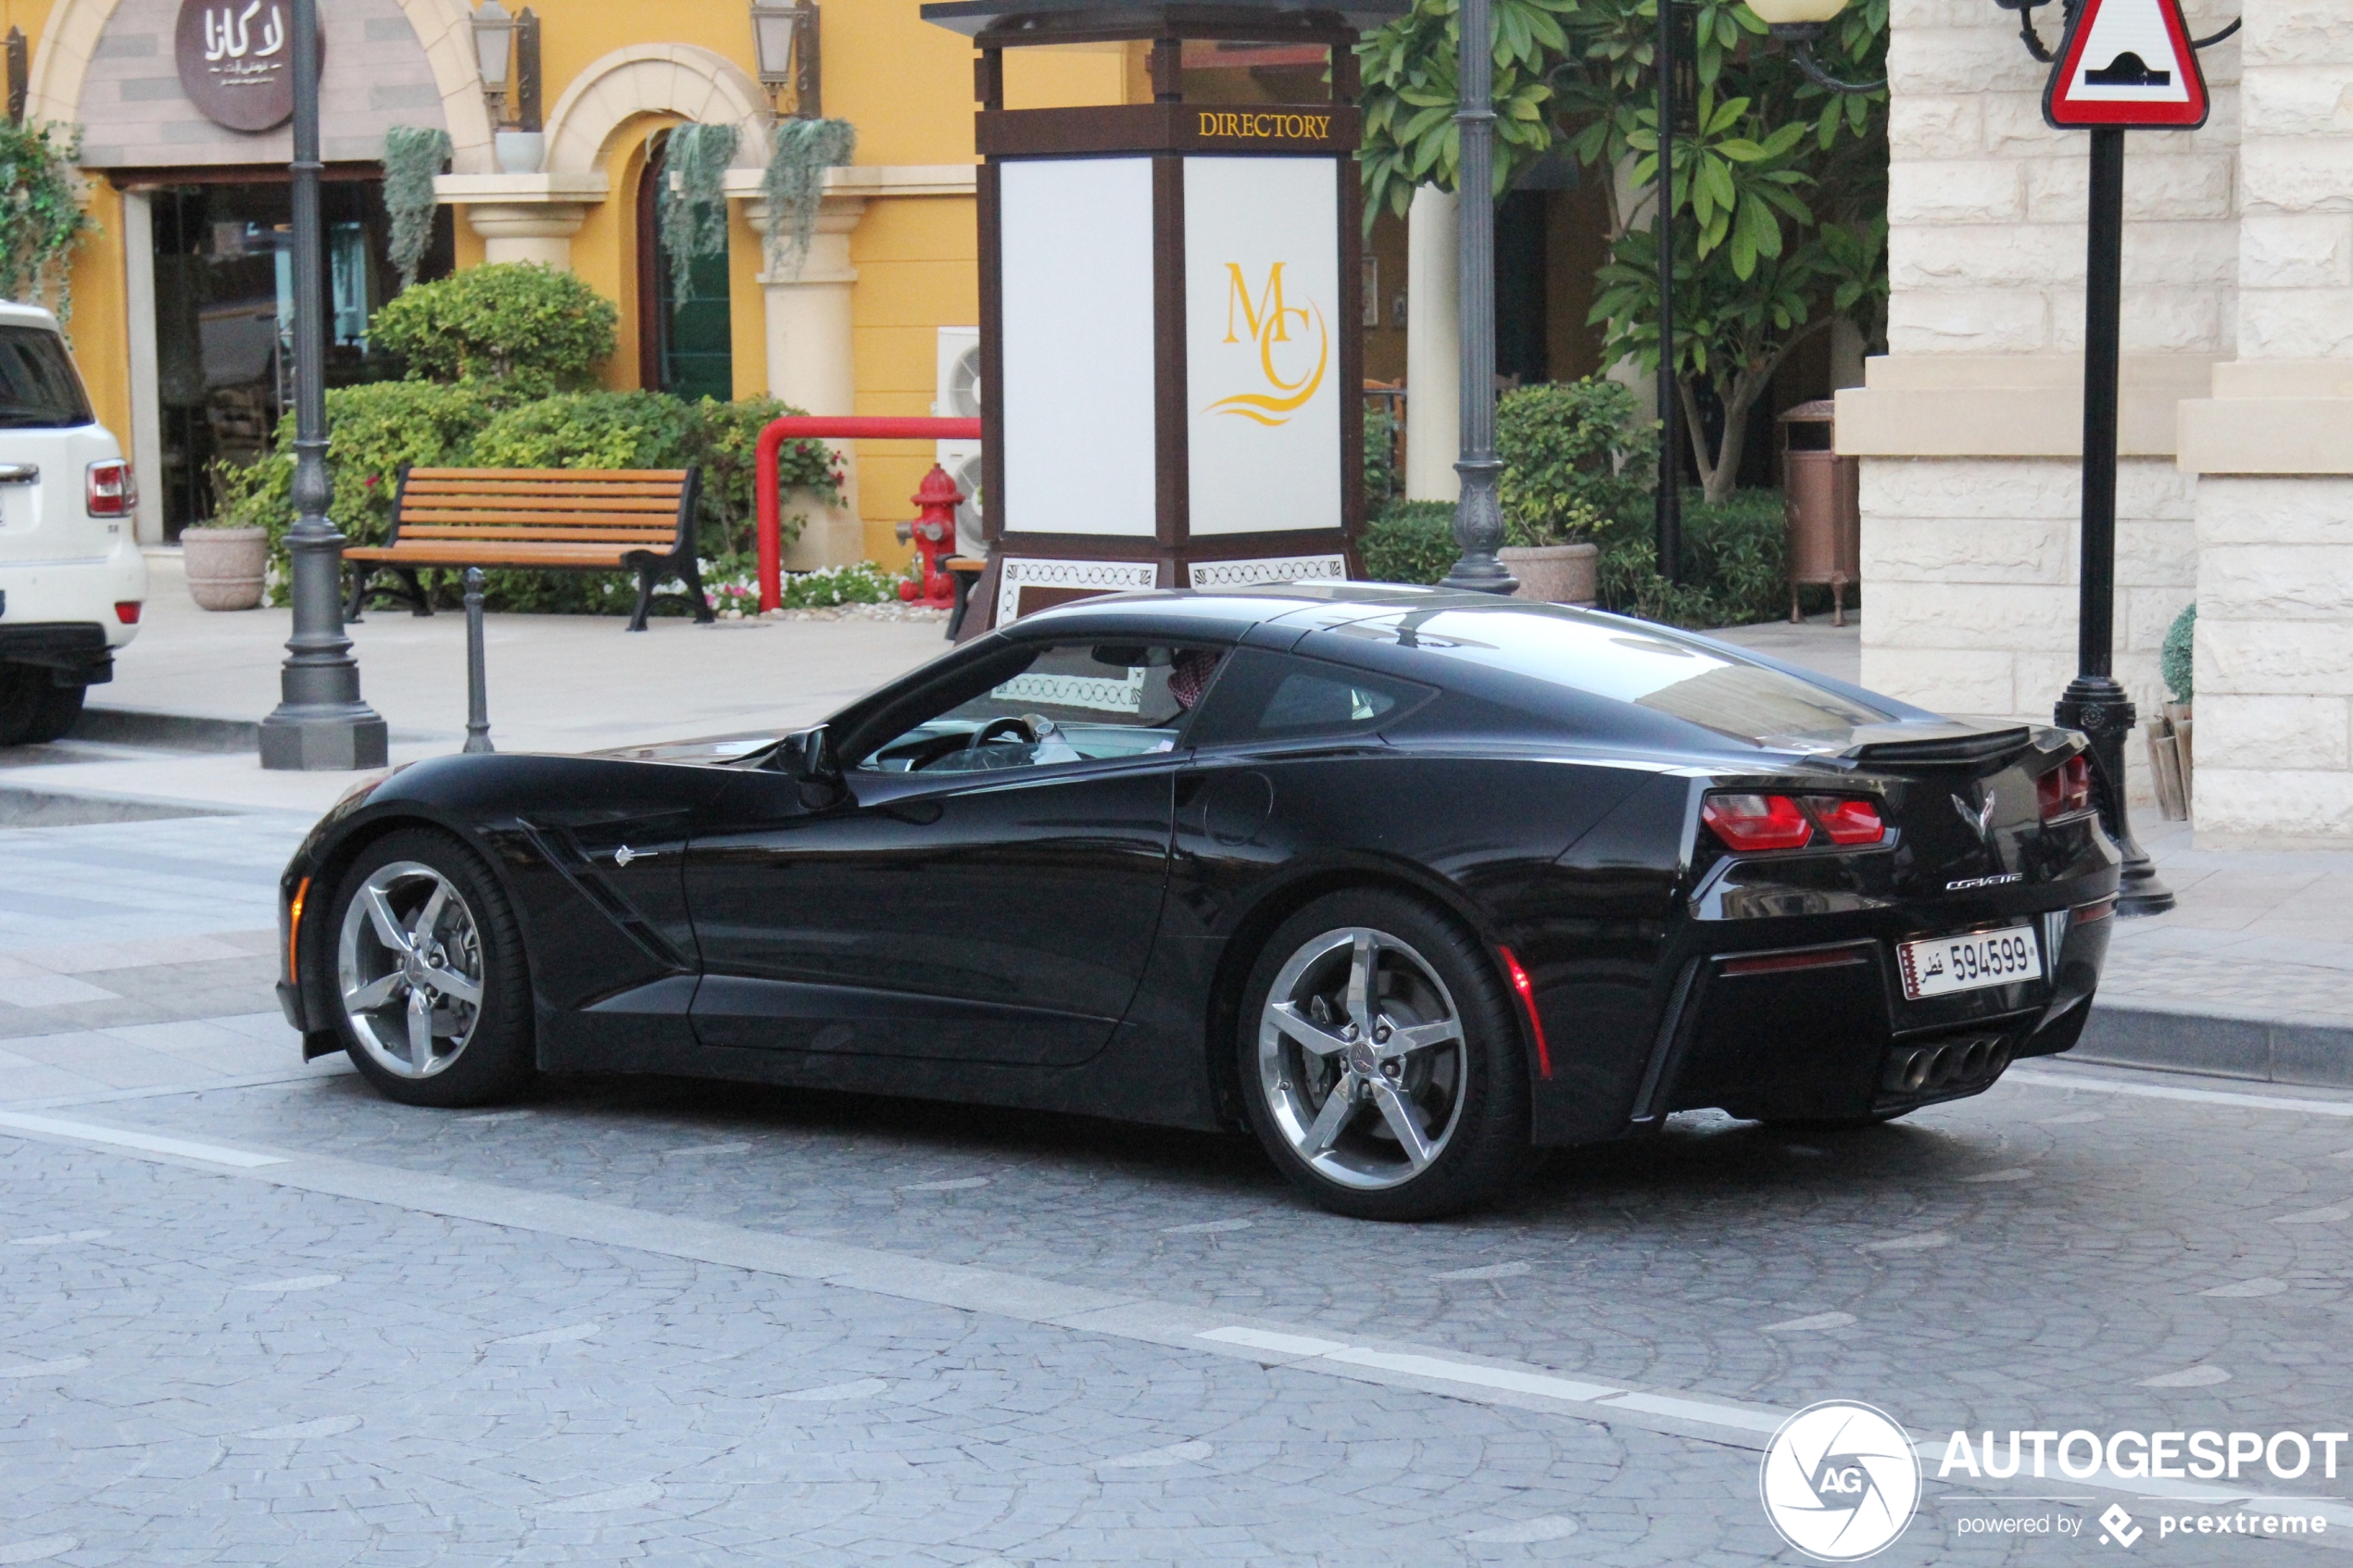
x=651, y=507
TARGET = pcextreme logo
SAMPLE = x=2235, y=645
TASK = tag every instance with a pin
x=1280, y=330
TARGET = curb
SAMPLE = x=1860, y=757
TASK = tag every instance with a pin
x=2315, y=1056
x=21, y=807
x=166, y=732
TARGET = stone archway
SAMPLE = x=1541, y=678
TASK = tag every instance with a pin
x=644, y=78
x=62, y=67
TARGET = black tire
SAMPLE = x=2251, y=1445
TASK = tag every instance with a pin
x=55, y=714
x=1425, y=965
x=494, y=1059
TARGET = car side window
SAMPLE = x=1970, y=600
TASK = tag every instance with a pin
x=1089, y=701
x=1269, y=696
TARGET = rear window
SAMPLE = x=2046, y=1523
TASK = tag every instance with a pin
x=1625, y=663
x=38, y=386
x=1269, y=696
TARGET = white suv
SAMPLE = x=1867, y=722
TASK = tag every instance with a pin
x=71, y=578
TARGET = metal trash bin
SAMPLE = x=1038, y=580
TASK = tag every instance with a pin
x=1822, y=501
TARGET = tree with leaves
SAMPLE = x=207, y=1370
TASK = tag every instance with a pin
x=1778, y=185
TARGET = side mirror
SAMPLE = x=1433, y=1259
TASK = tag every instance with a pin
x=807, y=757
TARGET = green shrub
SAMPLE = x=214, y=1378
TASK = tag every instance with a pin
x=2173, y=660
x=1735, y=565
x=1380, y=453
x=1410, y=542
x=1576, y=460
x=526, y=328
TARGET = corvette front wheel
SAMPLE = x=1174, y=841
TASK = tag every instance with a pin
x=1382, y=1062
x=429, y=976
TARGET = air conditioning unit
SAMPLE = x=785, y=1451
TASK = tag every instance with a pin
x=959, y=398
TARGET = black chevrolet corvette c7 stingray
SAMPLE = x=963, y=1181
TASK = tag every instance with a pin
x=1415, y=884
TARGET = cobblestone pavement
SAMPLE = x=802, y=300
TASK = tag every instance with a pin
x=251, y=1314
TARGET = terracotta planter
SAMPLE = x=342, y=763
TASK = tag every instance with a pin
x=225, y=566
x=1563, y=574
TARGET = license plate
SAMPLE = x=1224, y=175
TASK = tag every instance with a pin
x=1945, y=964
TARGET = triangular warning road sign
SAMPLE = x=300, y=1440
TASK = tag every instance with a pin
x=2127, y=62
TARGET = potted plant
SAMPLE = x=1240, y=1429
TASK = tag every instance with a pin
x=1574, y=455
x=1554, y=557
x=226, y=566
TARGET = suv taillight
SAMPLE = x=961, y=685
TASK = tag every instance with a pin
x=2066, y=789
x=113, y=492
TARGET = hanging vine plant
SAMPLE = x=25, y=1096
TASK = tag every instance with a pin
x=693, y=198
x=41, y=215
x=794, y=185
x=411, y=159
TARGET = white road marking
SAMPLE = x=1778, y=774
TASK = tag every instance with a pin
x=1208, y=1228
x=46, y=1368
x=960, y=1184
x=1281, y=1344
x=2014, y=1174
x=121, y=1137
x=563, y=1336
x=300, y=1282
x=497, y=1115
x=61, y=1239
x=863, y=1389
x=1152, y=1458
x=613, y=1501
x=1489, y=1271
x=2164, y=1091
x=2074, y=1119
x=1506, y=1378
x=325, y=1426
x=1819, y=1320
x=2188, y=1377
x=706, y=1148
x=2257, y=1287
x=41, y=1550
x=2329, y=1215
x=1920, y=1243
x=1551, y=1527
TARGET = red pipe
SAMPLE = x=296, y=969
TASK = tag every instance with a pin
x=764, y=485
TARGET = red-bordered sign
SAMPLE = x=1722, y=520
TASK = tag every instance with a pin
x=2127, y=63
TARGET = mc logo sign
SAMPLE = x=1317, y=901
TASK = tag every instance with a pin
x=1279, y=330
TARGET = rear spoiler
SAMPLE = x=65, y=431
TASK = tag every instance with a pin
x=1948, y=744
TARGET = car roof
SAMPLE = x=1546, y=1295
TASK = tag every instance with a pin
x=18, y=313
x=1229, y=610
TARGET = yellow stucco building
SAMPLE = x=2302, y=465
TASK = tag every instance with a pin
x=180, y=303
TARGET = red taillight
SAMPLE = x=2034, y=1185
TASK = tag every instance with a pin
x=1756, y=821
x=127, y=612
x=113, y=491
x=1847, y=821
x=2066, y=789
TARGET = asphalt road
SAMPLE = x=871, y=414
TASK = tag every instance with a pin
x=251, y=1314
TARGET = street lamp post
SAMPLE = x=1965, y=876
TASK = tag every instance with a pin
x=321, y=723
x=1479, y=517
x=1667, y=510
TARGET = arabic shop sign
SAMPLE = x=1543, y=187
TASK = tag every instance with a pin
x=236, y=61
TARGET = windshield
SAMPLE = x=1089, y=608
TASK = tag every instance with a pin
x=1712, y=688
x=38, y=388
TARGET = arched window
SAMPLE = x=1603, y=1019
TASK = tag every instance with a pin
x=685, y=345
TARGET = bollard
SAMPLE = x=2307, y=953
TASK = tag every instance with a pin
x=477, y=684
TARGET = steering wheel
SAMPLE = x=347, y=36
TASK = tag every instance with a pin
x=1028, y=728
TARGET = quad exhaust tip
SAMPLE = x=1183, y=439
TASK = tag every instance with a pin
x=1930, y=1069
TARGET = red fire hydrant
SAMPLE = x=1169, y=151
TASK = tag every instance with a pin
x=934, y=532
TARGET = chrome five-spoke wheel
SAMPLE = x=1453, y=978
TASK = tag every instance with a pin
x=410, y=968
x=1361, y=1058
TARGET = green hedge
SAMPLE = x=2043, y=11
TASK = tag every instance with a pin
x=374, y=429
x=1735, y=569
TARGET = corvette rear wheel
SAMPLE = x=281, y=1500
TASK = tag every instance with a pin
x=429, y=975
x=1380, y=1061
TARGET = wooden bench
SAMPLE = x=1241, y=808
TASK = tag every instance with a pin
x=565, y=519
